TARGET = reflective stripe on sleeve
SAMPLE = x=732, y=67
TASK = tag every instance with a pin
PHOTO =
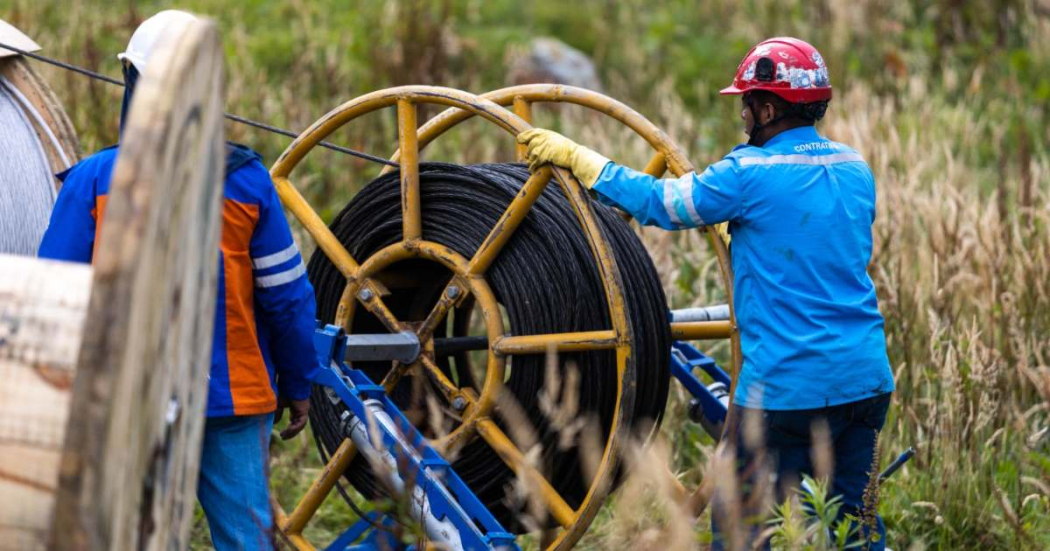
x=802, y=159
x=685, y=188
x=280, y=278
x=276, y=258
x=669, y=193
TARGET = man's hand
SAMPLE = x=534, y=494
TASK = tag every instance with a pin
x=545, y=146
x=297, y=419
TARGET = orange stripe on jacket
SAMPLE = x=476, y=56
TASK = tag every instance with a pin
x=249, y=379
x=97, y=213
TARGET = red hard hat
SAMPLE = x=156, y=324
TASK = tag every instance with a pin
x=788, y=67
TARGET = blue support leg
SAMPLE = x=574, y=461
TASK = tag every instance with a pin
x=447, y=510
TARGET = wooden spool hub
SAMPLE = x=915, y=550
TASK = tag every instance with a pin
x=37, y=141
x=102, y=452
x=364, y=289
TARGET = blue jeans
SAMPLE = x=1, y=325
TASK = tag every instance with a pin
x=788, y=442
x=233, y=488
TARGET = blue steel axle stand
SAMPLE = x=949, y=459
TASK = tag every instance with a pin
x=710, y=403
x=447, y=510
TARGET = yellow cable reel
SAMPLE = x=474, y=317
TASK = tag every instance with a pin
x=363, y=290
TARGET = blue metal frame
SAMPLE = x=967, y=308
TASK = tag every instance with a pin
x=449, y=497
x=685, y=358
x=366, y=536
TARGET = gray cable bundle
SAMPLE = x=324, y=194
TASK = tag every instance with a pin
x=27, y=188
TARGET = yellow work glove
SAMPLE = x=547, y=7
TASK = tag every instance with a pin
x=546, y=146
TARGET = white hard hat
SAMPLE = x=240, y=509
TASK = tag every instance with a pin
x=146, y=37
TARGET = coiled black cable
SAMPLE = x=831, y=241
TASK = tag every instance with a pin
x=546, y=280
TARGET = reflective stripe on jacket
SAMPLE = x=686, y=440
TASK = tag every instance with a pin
x=264, y=316
x=800, y=210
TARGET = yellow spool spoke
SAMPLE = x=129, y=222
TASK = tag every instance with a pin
x=412, y=218
x=300, y=543
x=561, y=342
x=316, y=227
x=369, y=297
x=509, y=221
x=701, y=330
x=514, y=459
x=293, y=524
x=523, y=109
x=453, y=293
x=657, y=166
x=448, y=389
x=394, y=376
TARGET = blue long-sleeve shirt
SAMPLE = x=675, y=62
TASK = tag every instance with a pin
x=800, y=210
x=262, y=343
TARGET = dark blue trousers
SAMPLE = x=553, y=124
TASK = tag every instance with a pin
x=785, y=448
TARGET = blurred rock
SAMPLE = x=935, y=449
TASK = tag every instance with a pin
x=552, y=61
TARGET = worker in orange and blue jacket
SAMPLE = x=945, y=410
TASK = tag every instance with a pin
x=262, y=349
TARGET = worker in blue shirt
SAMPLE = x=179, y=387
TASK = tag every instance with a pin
x=799, y=209
x=262, y=346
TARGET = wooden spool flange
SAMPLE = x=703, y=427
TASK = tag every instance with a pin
x=42, y=126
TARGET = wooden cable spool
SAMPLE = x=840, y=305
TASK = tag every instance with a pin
x=102, y=398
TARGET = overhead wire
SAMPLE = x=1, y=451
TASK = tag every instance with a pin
x=547, y=281
x=236, y=118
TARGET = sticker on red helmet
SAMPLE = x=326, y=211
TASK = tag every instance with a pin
x=822, y=79
x=749, y=73
x=782, y=72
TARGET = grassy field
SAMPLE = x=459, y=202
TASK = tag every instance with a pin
x=946, y=99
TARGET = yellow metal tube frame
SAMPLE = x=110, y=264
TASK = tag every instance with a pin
x=411, y=211
x=523, y=109
x=328, y=243
x=701, y=330
x=668, y=157
x=509, y=221
x=558, y=342
x=673, y=159
x=514, y=459
x=657, y=165
x=320, y=488
x=357, y=274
